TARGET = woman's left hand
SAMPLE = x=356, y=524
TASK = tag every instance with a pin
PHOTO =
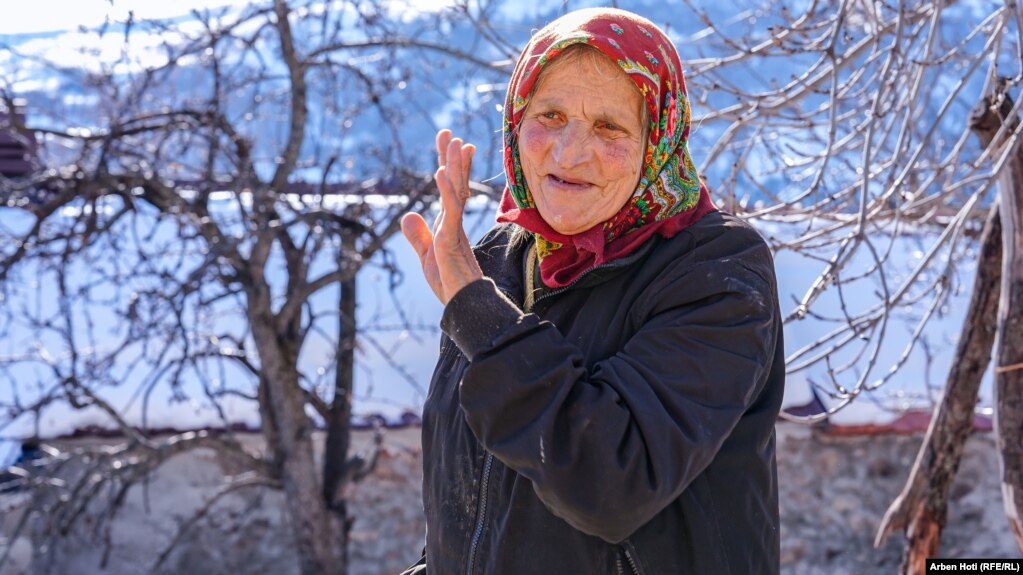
x=445, y=253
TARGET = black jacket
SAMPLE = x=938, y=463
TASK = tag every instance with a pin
x=625, y=426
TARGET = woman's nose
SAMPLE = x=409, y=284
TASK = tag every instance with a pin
x=572, y=146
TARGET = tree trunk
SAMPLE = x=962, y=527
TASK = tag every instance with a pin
x=311, y=523
x=1009, y=339
x=266, y=422
x=335, y=457
x=921, y=509
x=994, y=320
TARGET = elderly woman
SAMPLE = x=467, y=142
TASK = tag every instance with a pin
x=612, y=364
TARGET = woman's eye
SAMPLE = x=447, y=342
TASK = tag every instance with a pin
x=549, y=115
x=610, y=130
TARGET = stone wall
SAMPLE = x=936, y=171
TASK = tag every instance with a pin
x=833, y=490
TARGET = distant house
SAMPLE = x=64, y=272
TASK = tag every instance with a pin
x=17, y=145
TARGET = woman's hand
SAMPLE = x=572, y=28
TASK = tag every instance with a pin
x=445, y=254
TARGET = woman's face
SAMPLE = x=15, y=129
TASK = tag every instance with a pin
x=581, y=141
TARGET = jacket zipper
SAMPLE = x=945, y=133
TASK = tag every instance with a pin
x=481, y=506
x=564, y=289
x=633, y=570
x=627, y=260
x=632, y=562
x=481, y=512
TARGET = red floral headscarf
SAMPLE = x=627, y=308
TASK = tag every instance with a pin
x=669, y=196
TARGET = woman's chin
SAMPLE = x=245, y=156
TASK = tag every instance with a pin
x=572, y=209
x=566, y=222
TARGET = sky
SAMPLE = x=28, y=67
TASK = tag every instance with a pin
x=41, y=17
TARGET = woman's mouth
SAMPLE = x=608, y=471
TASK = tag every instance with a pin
x=566, y=182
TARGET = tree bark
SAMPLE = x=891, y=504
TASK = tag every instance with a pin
x=335, y=456
x=993, y=321
x=921, y=509
x=311, y=523
x=1009, y=338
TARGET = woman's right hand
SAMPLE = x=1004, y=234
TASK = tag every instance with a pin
x=445, y=253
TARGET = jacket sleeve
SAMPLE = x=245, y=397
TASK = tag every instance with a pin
x=607, y=448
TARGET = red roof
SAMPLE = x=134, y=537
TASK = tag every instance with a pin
x=910, y=422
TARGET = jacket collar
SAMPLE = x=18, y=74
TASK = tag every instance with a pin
x=502, y=259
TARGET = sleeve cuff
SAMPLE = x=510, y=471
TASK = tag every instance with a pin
x=477, y=315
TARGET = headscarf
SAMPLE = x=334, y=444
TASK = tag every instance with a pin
x=670, y=195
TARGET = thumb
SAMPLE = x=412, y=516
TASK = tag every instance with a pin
x=414, y=227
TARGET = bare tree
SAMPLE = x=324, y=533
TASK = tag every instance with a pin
x=198, y=223
x=845, y=129
x=858, y=138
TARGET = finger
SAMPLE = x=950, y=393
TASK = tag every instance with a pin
x=450, y=202
x=468, y=152
x=455, y=170
x=449, y=231
x=414, y=227
x=442, y=140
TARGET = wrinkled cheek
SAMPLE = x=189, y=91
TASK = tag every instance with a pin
x=619, y=157
x=623, y=163
x=533, y=141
